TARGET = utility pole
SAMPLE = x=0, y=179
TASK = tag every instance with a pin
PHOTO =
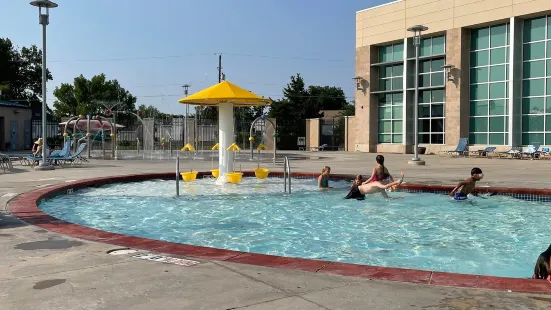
x=184, y=136
x=219, y=68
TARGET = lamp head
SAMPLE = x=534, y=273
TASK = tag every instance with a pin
x=44, y=4
x=447, y=71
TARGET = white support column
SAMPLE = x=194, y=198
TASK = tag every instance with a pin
x=404, y=93
x=225, y=132
x=511, y=83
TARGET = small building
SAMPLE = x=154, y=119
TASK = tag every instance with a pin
x=15, y=126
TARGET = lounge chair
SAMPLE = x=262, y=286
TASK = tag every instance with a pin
x=514, y=152
x=318, y=148
x=545, y=154
x=531, y=151
x=462, y=147
x=482, y=153
x=74, y=158
x=5, y=162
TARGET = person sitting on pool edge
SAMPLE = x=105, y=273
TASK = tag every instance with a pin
x=542, y=270
x=354, y=192
x=323, y=179
x=466, y=187
x=378, y=187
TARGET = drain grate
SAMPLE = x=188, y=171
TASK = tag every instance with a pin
x=153, y=257
x=125, y=251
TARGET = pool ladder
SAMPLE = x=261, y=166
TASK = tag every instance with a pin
x=286, y=175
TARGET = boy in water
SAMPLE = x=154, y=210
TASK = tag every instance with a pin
x=466, y=187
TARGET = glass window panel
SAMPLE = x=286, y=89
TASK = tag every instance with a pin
x=424, y=110
x=478, y=138
x=497, y=139
x=498, y=73
x=424, y=138
x=548, y=26
x=532, y=123
x=385, y=84
x=437, y=125
x=439, y=45
x=437, y=64
x=479, y=91
x=531, y=138
x=424, y=125
x=424, y=49
x=397, y=112
x=397, y=83
x=479, y=58
x=396, y=138
x=437, y=139
x=438, y=95
x=382, y=53
x=549, y=47
x=534, y=29
x=498, y=56
x=424, y=66
x=424, y=80
x=533, y=69
x=548, y=104
x=534, y=51
x=533, y=105
x=478, y=124
x=480, y=38
x=497, y=107
x=388, y=71
x=547, y=139
x=398, y=98
x=548, y=87
x=533, y=87
x=547, y=122
x=397, y=126
x=385, y=138
x=497, y=124
x=497, y=90
x=437, y=110
x=437, y=79
x=397, y=70
x=385, y=126
x=398, y=52
x=385, y=113
x=479, y=75
x=549, y=64
x=498, y=36
x=424, y=96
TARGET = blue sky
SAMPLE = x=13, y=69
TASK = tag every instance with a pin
x=152, y=49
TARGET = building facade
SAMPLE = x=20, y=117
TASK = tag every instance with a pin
x=496, y=93
x=15, y=126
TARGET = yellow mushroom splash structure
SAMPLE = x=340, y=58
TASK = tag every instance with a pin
x=191, y=175
x=261, y=173
x=234, y=177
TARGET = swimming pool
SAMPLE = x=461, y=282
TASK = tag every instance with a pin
x=500, y=236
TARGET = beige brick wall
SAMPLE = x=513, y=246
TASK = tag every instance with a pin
x=8, y=115
x=351, y=133
x=366, y=140
x=312, y=133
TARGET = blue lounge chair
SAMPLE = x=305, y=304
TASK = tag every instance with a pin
x=75, y=157
x=63, y=152
x=531, y=151
x=545, y=154
x=482, y=153
x=514, y=152
x=462, y=147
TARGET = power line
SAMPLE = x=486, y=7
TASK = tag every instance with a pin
x=265, y=96
x=198, y=54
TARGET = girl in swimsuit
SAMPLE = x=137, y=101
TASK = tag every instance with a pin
x=378, y=187
x=323, y=179
x=380, y=173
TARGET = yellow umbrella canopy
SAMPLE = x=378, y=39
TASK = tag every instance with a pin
x=225, y=92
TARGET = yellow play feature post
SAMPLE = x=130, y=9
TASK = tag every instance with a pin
x=234, y=177
x=191, y=175
x=261, y=173
x=215, y=172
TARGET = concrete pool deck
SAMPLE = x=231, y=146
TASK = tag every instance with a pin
x=44, y=270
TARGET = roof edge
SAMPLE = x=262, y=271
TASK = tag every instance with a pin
x=378, y=6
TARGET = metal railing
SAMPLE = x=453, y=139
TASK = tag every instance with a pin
x=286, y=175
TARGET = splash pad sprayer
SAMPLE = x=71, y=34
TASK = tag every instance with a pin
x=234, y=177
x=190, y=175
x=215, y=172
x=260, y=173
x=263, y=134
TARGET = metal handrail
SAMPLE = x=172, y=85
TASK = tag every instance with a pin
x=286, y=174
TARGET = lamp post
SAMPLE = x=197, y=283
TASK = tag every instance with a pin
x=186, y=88
x=417, y=29
x=44, y=20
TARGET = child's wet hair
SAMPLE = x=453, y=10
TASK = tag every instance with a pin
x=476, y=171
x=326, y=168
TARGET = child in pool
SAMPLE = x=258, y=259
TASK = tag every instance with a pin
x=466, y=187
x=378, y=187
x=323, y=179
x=354, y=192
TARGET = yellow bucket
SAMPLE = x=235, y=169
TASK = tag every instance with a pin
x=261, y=173
x=234, y=177
x=189, y=176
x=215, y=173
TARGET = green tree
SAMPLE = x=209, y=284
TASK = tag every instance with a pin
x=92, y=96
x=21, y=73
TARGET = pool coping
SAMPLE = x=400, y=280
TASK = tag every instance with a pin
x=25, y=207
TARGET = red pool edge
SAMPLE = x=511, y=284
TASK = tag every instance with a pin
x=25, y=207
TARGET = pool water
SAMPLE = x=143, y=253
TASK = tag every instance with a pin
x=499, y=236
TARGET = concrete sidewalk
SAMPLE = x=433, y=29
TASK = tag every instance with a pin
x=43, y=270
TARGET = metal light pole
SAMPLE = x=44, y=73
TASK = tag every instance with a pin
x=44, y=20
x=417, y=29
x=186, y=88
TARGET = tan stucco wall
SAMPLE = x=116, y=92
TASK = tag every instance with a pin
x=21, y=116
x=389, y=22
x=312, y=133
